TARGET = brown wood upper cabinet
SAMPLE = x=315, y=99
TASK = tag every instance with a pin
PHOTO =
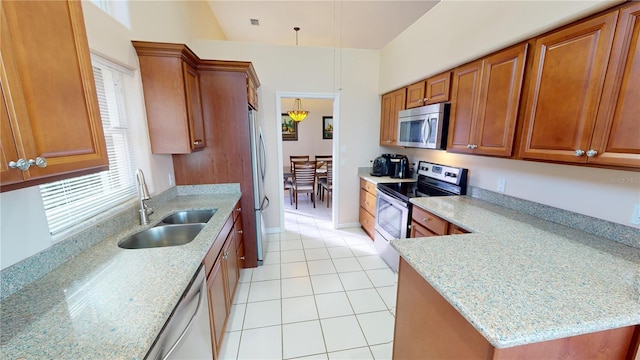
x=252, y=92
x=172, y=97
x=431, y=91
x=391, y=103
x=51, y=123
x=484, y=103
x=582, y=105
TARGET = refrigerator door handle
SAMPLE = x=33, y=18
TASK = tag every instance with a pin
x=263, y=156
x=263, y=205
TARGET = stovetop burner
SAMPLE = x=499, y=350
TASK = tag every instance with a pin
x=433, y=180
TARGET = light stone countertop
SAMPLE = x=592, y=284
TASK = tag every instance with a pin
x=519, y=279
x=382, y=179
x=108, y=302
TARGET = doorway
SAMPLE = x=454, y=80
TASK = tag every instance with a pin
x=315, y=125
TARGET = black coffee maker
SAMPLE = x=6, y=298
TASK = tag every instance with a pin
x=399, y=166
x=382, y=165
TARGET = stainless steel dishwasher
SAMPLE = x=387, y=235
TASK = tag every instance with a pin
x=187, y=334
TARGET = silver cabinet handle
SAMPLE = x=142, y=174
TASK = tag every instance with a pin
x=474, y=146
x=242, y=258
x=225, y=255
x=579, y=152
x=425, y=99
x=197, y=142
x=239, y=231
x=592, y=153
x=21, y=164
x=469, y=146
x=39, y=162
x=239, y=209
x=425, y=219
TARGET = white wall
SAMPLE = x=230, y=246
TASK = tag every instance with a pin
x=311, y=70
x=310, y=141
x=469, y=29
x=23, y=227
x=455, y=32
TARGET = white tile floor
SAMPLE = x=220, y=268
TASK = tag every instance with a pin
x=321, y=294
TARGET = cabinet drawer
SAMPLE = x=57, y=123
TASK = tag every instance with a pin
x=368, y=187
x=429, y=221
x=368, y=202
x=367, y=221
x=418, y=231
x=454, y=230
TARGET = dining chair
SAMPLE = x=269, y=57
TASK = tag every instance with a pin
x=304, y=180
x=321, y=159
x=294, y=158
x=326, y=184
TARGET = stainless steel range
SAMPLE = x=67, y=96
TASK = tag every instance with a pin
x=393, y=209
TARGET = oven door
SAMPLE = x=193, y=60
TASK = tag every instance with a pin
x=392, y=217
x=392, y=222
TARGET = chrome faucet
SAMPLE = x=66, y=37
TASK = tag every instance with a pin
x=143, y=193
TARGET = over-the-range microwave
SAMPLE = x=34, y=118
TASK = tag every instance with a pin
x=424, y=127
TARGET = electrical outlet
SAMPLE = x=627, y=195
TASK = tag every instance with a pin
x=172, y=180
x=635, y=218
x=502, y=183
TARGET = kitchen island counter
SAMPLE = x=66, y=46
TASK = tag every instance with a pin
x=519, y=279
x=108, y=302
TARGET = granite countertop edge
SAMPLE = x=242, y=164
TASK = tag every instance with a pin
x=107, y=301
x=513, y=329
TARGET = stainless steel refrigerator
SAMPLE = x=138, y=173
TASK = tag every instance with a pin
x=259, y=164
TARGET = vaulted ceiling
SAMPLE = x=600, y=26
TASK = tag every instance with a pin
x=325, y=23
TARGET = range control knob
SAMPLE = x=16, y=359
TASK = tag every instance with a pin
x=450, y=174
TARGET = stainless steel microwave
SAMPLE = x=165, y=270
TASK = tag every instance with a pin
x=424, y=127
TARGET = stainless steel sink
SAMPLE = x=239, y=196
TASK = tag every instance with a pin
x=161, y=236
x=189, y=217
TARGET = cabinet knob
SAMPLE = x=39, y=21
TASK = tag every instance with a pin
x=468, y=146
x=242, y=257
x=240, y=232
x=225, y=255
x=425, y=219
x=39, y=162
x=579, y=152
x=425, y=99
x=239, y=209
x=474, y=146
x=592, y=153
x=21, y=164
x=197, y=142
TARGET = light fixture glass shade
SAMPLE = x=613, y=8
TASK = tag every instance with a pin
x=297, y=113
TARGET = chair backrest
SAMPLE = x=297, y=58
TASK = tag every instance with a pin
x=297, y=158
x=304, y=172
x=329, y=172
x=324, y=157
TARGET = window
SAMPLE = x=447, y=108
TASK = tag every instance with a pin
x=70, y=202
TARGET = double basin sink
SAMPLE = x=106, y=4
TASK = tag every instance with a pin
x=176, y=229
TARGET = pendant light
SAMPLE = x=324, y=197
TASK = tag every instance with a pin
x=297, y=113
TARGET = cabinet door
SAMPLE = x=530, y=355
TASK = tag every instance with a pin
x=415, y=95
x=391, y=104
x=616, y=138
x=465, y=95
x=46, y=70
x=495, y=125
x=8, y=148
x=437, y=89
x=418, y=231
x=231, y=266
x=217, y=303
x=194, y=107
x=566, y=83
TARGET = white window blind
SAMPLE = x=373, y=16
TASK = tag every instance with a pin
x=69, y=202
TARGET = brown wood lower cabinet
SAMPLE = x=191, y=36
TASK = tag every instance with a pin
x=367, y=215
x=222, y=264
x=443, y=333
